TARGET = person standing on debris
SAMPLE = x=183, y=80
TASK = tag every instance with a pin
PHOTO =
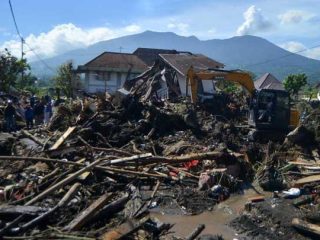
x=29, y=116
x=32, y=100
x=47, y=112
x=10, y=114
x=38, y=113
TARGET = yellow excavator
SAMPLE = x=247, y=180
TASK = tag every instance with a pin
x=269, y=110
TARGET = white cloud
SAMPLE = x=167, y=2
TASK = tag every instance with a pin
x=314, y=53
x=254, y=22
x=66, y=37
x=293, y=46
x=295, y=16
x=133, y=28
x=178, y=26
x=296, y=47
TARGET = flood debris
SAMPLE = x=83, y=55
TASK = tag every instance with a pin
x=102, y=165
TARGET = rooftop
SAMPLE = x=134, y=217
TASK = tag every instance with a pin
x=114, y=60
x=183, y=61
x=268, y=81
x=150, y=55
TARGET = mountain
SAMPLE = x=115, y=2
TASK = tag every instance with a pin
x=243, y=52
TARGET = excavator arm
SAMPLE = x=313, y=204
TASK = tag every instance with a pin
x=242, y=78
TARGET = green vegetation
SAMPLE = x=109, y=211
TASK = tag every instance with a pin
x=63, y=79
x=293, y=83
x=11, y=69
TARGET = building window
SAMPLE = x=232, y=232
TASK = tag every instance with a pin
x=98, y=75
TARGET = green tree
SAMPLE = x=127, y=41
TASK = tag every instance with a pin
x=28, y=81
x=11, y=69
x=64, y=77
x=293, y=83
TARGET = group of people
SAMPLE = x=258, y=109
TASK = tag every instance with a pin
x=33, y=110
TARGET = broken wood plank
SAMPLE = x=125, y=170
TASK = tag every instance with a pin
x=103, y=168
x=309, y=179
x=132, y=158
x=63, y=138
x=16, y=210
x=256, y=199
x=86, y=215
x=62, y=183
x=66, y=198
x=302, y=163
x=306, y=227
x=195, y=233
x=194, y=156
x=154, y=193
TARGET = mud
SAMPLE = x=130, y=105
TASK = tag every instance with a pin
x=216, y=221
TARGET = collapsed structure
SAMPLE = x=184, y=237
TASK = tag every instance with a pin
x=105, y=166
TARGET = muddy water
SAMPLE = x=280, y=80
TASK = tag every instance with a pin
x=216, y=221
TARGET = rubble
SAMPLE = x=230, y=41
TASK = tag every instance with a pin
x=102, y=165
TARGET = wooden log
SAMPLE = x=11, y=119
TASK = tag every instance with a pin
x=113, y=207
x=17, y=210
x=62, y=183
x=103, y=168
x=63, y=138
x=306, y=227
x=132, y=158
x=115, y=150
x=86, y=215
x=153, y=193
x=196, y=232
x=33, y=138
x=193, y=156
x=66, y=198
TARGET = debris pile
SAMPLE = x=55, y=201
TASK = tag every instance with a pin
x=291, y=171
x=99, y=168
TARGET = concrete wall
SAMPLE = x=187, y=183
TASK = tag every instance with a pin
x=105, y=81
x=207, y=85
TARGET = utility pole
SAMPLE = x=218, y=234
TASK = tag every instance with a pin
x=120, y=49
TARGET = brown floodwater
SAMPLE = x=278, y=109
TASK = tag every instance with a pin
x=216, y=221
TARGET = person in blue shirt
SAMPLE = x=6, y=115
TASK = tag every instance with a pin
x=29, y=116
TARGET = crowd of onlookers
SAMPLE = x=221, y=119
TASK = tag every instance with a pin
x=35, y=111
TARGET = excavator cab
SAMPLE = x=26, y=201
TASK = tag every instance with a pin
x=270, y=109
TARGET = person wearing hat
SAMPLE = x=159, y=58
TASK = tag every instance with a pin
x=9, y=115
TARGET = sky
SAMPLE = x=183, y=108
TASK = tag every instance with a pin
x=54, y=27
